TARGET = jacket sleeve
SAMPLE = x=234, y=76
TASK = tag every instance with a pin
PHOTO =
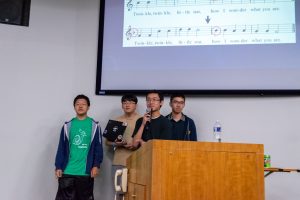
x=137, y=126
x=59, y=159
x=193, y=131
x=98, y=153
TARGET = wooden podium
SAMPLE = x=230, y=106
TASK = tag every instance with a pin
x=178, y=170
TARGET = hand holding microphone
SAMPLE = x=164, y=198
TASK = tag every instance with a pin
x=147, y=116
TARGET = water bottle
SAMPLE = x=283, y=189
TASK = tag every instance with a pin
x=217, y=131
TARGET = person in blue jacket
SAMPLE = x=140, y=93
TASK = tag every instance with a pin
x=79, y=154
x=183, y=127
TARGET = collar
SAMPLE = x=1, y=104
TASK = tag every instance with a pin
x=171, y=117
x=124, y=117
x=155, y=117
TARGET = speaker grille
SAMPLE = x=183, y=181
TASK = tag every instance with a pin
x=15, y=12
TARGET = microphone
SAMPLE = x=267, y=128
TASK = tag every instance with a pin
x=149, y=111
x=148, y=124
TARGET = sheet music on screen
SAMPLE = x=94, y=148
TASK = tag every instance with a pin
x=183, y=22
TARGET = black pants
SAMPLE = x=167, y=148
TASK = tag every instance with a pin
x=75, y=188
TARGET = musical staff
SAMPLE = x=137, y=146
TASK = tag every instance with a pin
x=213, y=31
x=137, y=4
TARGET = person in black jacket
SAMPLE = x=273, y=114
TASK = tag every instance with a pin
x=183, y=127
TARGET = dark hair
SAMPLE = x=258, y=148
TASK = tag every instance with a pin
x=129, y=97
x=81, y=96
x=177, y=95
x=161, y=96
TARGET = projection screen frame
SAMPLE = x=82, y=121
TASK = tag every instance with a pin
x=202, y=92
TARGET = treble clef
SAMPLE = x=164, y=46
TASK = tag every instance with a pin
x=128, y=33
x=129, y=5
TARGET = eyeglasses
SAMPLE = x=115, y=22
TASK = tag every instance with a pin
x=128, y=103
x=178, y=102
x=152, y=100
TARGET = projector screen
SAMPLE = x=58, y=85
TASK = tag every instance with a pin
x=199, y=46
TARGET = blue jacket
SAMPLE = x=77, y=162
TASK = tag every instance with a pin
x=189, y=132
x=95, y=154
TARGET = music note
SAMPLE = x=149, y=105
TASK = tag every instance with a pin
x=277, y=29
x=293, y=28
x=216, y=30
x=244, y=29
x=234, y=29
x=268, y=29
x=179, y=31
x=150, y=34
x=158, y=32
x=188, y=30
x=148, y=3
x=198, y=31
x=168, y=31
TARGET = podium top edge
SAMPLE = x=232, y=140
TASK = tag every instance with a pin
x=205, y=146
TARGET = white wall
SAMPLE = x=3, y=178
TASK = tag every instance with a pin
x=44, y=66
